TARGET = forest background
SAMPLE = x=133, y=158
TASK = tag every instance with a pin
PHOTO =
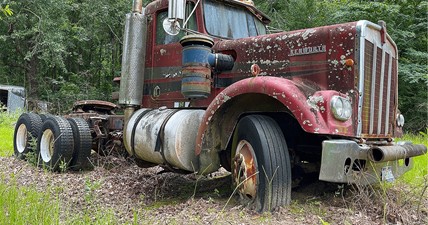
x=63, y=51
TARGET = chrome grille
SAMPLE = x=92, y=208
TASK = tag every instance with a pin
x=379, y=101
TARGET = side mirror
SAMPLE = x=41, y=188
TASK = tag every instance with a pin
x=176, y=13
x=176, y=9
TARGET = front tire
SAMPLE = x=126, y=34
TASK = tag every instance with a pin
x=261, y=168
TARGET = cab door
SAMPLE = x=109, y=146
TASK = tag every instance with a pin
x=165, y=79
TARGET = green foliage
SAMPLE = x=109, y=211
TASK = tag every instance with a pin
x=412, y=39
x=6, y=10
x=297, y=14
x=407, y=22
x=21, y=204
x=62, y=51
x=323, y=222
x=25, y=204
x=419, y=173
x=7, y=126
x=32, y=157
x=90, y=187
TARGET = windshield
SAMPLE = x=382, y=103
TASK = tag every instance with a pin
x=229, y=21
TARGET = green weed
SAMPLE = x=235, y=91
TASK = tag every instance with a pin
x=32, y=156
x=90, y=187
x=21, y=204
x=323, y=222
x=7, y=127
x=95, y=215
x=417, y=176
x=24, y=205
x=63, y=166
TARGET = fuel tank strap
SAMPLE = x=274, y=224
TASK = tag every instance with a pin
x=134, y=128
x=160, y=138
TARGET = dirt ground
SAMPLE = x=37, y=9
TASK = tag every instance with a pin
x=154, y=197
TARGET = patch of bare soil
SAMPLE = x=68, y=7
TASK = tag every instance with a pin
x=154, y=197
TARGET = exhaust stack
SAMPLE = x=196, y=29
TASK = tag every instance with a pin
x=134, y=48
x=137, y=6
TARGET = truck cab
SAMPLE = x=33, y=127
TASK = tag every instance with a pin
x=162, y=78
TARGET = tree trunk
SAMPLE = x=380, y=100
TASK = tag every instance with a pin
x=31, y=73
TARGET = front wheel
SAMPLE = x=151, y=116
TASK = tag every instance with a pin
x=261, y=169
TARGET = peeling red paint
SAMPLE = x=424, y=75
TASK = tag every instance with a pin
x=313, y=121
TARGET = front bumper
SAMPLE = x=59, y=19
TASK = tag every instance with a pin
x=345, y=161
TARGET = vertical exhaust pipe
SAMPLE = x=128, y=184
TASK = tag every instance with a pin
x=133, y=61
x=137, y=6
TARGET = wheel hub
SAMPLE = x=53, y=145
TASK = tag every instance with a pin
x=245, y=171
x=47, y=144
x=21, y=138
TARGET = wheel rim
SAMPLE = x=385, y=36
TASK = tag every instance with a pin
x=47, y=143
x=245, y=171
x=21, y=138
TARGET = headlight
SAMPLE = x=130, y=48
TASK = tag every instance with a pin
x=341, y=108
x=400, y=120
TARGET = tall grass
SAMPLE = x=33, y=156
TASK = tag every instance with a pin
x=7, y=127
x=419, y=173
x=23, y=205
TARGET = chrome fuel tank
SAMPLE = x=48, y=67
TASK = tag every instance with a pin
x=164, y=136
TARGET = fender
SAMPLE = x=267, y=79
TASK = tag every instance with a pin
x=308, y=105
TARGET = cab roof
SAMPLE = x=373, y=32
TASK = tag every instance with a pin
x=248, y=4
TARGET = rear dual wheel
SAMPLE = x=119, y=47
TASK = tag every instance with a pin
x=82, y=144
x=26, y=132
x=261, y=169
x=55, y=144
x=58, y=143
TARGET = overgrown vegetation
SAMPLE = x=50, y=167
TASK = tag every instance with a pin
x=398, y=202
x=5, y=10
x=7, y=125
x=418, y=176
x=62, y=51
x=22, y=204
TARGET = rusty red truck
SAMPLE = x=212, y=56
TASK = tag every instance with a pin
x=204, y=85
